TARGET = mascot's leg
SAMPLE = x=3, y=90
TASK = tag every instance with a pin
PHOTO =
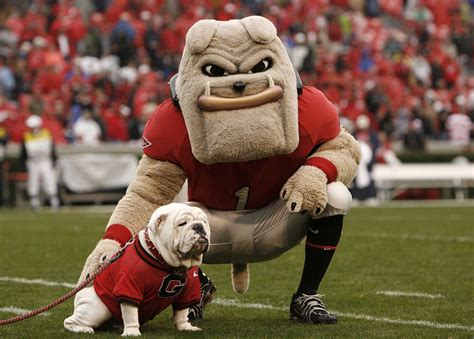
x=322, y=237
x=321, y=242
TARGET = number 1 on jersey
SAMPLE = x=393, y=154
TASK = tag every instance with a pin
x=242, y=195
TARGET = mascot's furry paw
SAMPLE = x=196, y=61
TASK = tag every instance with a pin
x=306, y=191
x=240, y=278
x=103, y=251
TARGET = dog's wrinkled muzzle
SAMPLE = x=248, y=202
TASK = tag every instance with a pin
x=199, y=229
x=201, y=245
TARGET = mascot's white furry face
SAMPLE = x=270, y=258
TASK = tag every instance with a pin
x=237, y=91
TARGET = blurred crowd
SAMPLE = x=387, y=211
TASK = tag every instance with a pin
x=94, y=70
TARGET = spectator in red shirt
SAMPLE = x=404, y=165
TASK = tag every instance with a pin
x=55, y=127
x=116, y=124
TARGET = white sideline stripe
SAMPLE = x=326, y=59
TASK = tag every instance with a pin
x=421, y=203
x=36, y=282
x=406, y=236
x=17, y=310
x=424, y=323
x=232, y=302
x=410, y=294
x=235, y=303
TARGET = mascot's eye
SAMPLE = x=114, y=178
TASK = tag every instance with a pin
x=262, y=66
x=183, y=223
x=214, y=71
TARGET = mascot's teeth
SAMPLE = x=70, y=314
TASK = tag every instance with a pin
x=270, y=81
x=208, y=89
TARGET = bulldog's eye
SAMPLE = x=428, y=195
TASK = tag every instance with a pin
x=182, y=224
x=214, y=71
x=262, y=66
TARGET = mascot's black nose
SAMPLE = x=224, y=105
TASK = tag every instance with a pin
x=239, y=86
x=199, y=228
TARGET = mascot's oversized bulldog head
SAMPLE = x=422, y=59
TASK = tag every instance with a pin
x=237, y=91
x=181, y=233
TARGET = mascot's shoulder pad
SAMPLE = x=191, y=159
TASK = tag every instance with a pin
x=165, y=133
x=317, y=115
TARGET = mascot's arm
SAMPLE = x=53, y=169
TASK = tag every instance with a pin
x=335, y=160
x=344, y=153
x=156, y=183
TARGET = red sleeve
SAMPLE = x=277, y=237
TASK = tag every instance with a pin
x=317, y=116
x=118, y=233
x=324, y=165
x=191, y=294
x=319, y=119
x=165, y=133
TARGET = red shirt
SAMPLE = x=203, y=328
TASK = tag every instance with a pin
x=217, y=186
x=138, y=278
x=116, y=126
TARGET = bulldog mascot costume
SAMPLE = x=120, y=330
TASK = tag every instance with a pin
x=262, y=155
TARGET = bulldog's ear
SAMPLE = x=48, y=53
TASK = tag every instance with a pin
x=155, y=222
x=260, y=29
x=200, y=35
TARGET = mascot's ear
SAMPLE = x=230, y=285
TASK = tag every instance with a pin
x=260, y=29
x=200, y=35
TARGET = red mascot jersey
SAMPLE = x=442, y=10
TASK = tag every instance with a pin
x=138, y=278
x=219, y=186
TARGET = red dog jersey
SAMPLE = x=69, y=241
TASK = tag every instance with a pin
x=219, y=186
x=138, y=278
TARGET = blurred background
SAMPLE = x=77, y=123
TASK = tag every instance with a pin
x=400, y=72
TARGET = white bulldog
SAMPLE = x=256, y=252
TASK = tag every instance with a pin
x=157, y=269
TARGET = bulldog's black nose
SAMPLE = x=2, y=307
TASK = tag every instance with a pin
x=199, y=228
x=239, y=86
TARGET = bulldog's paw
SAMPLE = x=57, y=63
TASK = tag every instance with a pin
x=186, y=326
x=306, y=191
x=131, y=332
x=72, y=326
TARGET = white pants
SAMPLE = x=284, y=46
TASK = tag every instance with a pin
x=246, y=236
x=41, y=172
x=263, y=234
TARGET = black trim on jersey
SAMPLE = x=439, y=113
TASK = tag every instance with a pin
x=133, y=302
x=314, y=149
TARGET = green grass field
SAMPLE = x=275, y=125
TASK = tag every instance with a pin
x=384, y=254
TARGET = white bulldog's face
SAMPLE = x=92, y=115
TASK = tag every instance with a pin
x=181, y=234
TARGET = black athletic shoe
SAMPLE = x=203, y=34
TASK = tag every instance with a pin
x=310, y=309
x=208, y=288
